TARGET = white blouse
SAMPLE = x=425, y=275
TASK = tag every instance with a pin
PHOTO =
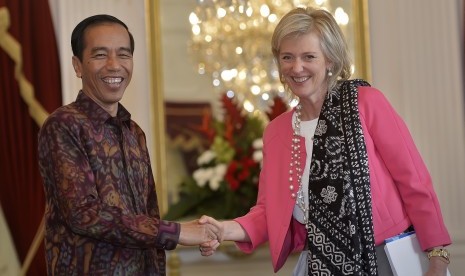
x=307, y=130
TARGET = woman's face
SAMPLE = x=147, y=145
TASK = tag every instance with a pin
x=304, y=66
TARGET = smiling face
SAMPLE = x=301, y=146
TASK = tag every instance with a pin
x=106, y=66
x=304, y=66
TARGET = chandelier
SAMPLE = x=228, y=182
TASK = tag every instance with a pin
x=231, y=43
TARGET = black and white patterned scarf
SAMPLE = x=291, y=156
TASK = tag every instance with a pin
x=340, y=224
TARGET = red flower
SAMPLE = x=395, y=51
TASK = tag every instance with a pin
x=206, y=129
x=277, y=108
x=229, y=131
x=233, y=111
x=239, y=171
x=247, y=165
x=230, y=176
x=244, y=174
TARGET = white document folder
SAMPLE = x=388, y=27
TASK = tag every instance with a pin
x=405, y=255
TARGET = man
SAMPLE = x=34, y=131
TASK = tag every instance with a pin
x=102, y=216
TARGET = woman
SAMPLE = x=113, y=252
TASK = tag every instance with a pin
x=340, y=172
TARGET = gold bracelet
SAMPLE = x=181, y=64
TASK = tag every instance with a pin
x=440, y=252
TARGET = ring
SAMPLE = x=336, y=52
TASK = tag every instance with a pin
x=200, y=249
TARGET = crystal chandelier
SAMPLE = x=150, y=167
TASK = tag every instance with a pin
x=231, y=43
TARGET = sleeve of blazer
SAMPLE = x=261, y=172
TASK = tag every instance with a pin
x=398, y=152
x=255, y=224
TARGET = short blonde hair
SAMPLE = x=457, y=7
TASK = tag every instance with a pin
x=300, y=21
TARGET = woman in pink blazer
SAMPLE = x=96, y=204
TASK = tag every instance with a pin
x=340, y=171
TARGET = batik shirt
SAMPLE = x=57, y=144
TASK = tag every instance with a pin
x=102, y=216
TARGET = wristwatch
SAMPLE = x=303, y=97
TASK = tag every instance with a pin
x=440, y=252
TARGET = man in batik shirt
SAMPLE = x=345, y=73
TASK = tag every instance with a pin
x=102, y=216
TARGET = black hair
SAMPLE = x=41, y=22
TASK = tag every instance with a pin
x=77, y=37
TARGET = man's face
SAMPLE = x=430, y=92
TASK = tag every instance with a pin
x=107, y=64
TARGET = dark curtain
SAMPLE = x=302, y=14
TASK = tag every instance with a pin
x=21, y=188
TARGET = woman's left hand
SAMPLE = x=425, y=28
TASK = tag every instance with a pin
x=437, y=267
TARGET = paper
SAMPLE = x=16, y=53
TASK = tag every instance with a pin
x=405, y=255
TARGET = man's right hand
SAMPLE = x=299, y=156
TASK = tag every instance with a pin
x=194, y=233
x=229, y=230
x=208, y=248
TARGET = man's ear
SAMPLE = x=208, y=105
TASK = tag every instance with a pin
x=77, y=66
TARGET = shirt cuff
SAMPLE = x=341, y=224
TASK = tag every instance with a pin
x=168, y=235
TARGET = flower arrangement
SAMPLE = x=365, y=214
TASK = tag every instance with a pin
x=225, y=184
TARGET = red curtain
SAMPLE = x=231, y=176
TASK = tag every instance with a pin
x=21, y=188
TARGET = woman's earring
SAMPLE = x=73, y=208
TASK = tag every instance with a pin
x=330, y=74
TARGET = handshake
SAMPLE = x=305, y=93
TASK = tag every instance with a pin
x=205, y=232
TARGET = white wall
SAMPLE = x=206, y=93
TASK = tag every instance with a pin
x=416, y=62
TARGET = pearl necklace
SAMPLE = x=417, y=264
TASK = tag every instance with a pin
x=295, y=166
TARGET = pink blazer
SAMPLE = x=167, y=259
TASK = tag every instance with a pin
x=401, y=187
